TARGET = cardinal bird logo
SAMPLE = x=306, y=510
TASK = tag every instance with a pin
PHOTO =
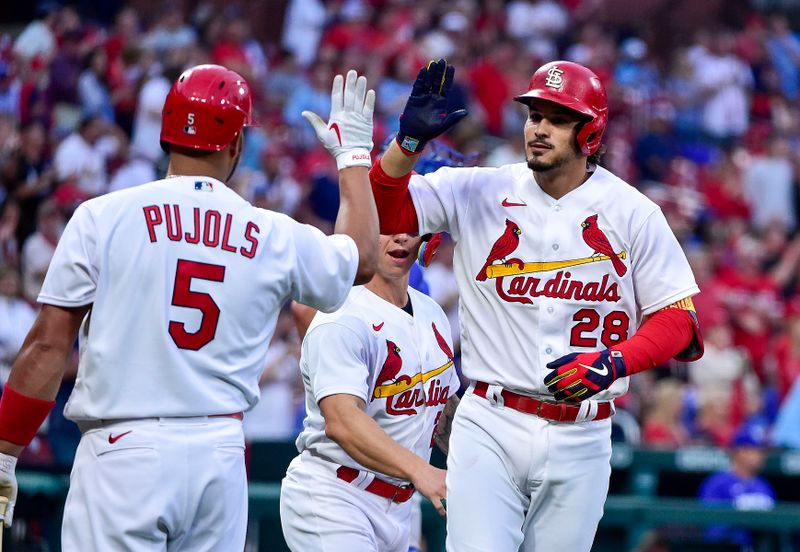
x=391, y=366
x=597, y=240
x=502, y=248
x=442, y=342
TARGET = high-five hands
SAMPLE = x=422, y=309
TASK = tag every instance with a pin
x=425, y=116
x=348, y=133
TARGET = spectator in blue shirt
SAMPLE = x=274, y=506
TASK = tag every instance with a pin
x=740, y=485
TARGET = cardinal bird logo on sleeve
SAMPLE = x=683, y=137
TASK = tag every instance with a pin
x=502, y=248
x=597, y=240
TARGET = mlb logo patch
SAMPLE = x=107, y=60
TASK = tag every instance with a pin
x=203, y=186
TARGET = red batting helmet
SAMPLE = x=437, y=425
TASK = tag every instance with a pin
x=577, y=88
x=206, y=109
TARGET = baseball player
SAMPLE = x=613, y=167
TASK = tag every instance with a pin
x=175, y=287
x=378, y=374
x=570, y=281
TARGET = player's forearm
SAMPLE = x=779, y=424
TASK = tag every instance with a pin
x=665, y=335
x=395, y=163
x=363, y=439
x=36, y=375
x=358, y=218
x=43, y=357
x=441, y=434
x=396, y=211
x=34, y=380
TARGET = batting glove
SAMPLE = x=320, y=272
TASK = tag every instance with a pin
x=425, y=116
x=578, y=376
x=8, y=486
x=348, y=133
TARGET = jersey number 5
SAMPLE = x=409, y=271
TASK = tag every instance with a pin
x=615, y=328
x=183, y=296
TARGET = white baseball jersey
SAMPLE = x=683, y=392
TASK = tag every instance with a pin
x=400, y=365
x=186, y=280
x=536, y=275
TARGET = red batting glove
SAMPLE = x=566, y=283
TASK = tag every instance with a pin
x=578, y=376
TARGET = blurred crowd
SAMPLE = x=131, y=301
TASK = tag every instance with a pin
x=705, y=122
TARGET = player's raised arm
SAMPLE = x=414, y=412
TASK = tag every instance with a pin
x=424, y=118
x=348, y=137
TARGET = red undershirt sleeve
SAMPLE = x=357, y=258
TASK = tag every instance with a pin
x=669, y=333
x=396, y=211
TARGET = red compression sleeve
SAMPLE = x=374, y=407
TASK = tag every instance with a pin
x=666, y=334
x=396, y=211
x=21, y=416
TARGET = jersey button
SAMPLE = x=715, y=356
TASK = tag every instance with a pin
x=549, y=309
x=557, y=208
x=548, y=350
x=555, y=247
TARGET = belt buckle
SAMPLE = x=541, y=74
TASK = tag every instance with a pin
x=401, y=489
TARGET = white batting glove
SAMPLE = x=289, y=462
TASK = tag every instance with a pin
x=8, y=486
x=348, y=133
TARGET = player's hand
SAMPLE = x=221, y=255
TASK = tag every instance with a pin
x=430, y=482
x=8, y=486
x=425, y=116
x=348, y=133
x=578, y=376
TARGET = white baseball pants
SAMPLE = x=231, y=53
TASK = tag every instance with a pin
x=517, y=482
x=322, y=513
x=168, y=484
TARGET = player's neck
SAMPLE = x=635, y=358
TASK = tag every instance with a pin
x=394, y=291
x=180, y=165
x=559, y=182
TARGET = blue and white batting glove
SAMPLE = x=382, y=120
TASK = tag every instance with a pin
x=425, y=116
x=348, y=133
x=578, y=376
x=8, y=486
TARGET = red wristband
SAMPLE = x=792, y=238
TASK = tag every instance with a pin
x=21, y=416
x=396, y=211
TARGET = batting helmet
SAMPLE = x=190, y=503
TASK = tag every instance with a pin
x=206, y=109
x=577, y=88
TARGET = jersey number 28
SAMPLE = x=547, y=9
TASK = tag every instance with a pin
x=183, y=296
x=615, y=328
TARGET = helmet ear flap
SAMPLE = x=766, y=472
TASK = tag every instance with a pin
x=590, y=135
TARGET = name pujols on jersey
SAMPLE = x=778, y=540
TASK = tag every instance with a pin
x=209, y=227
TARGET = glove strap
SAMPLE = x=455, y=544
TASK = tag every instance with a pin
x=21, y=416
x=356, y=157
x=409, y=145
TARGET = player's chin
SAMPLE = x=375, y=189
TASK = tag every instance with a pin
x=539, y=165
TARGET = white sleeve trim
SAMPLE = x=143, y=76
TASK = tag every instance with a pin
x=59, y=302
x=339, y=390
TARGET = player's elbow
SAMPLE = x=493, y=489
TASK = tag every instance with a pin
x=337, y=431
x=366, y=268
